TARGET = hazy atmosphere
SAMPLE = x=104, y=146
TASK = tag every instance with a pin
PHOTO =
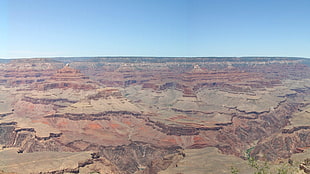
x=36, y=28
x=154, y=87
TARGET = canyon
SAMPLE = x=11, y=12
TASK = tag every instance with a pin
x=152, y=115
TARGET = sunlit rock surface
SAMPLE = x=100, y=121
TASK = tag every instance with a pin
x=150, y=115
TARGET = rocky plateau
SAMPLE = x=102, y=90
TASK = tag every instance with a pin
x=152, y=115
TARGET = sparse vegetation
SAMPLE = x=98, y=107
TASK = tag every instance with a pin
x=267, y=168
x=234, y=170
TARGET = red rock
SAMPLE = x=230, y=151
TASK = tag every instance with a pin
x=68, y=78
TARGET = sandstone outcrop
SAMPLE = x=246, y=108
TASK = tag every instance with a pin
x=68, y=77
x=140, y=157
x=137, y=115
x=27, y=72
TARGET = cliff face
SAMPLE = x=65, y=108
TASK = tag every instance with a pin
x=7, y=133
x=141, y=157
x=151, y=111
x=242, y=134
x=68, y=78
x=26, y=72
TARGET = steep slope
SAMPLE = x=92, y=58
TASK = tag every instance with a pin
x=154, y=111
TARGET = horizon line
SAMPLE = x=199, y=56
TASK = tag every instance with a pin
x=51, y=57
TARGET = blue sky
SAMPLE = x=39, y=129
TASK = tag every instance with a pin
x=49, y=28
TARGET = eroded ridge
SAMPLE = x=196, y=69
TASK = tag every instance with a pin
x=142, y=115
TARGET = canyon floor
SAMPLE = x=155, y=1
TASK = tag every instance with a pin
x=153, y=115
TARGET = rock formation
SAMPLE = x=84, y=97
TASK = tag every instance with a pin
x=139, y=115
x=68, y=78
